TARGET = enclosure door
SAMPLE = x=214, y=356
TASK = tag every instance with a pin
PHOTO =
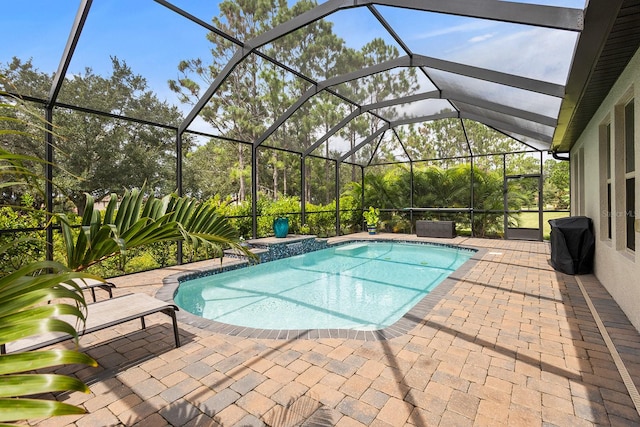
x=523, y=207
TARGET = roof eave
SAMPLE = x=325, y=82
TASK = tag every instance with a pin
x=588, y=84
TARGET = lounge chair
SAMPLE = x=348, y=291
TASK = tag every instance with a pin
x=92, y=284
x=101, y=315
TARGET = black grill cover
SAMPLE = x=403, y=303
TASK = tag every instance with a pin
x=572, y=244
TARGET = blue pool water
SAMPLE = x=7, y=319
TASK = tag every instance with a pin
x=361, y=286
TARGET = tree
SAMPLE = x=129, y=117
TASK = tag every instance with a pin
x=213, y=169
x=277, y=98
x=556, y=184
x=237, y=110
x=442, y=187
x=446, y=137
x=31, y=301
x=450, y=138
x=416, y=145
x=326, y=50
x=484, y=140
x=20, y=122
x=20, y=247
x=379, y=87
x=489, y=203
x=437, y=187
x=387, y=189
x=356, y=128
x=317, y=52
x=96, y=154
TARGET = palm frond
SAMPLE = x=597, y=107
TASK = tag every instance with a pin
x=135, y=222
x=17, y=409
x=32, y=360
x=30, y=303
x=30, y=300
x=12, y=385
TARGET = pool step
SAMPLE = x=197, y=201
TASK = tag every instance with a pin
x=353, y=249
x=274, y=248
x=235, y=253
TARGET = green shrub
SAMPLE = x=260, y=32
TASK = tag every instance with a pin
x=321, y=219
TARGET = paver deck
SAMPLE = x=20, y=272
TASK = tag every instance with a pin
x=512, y=343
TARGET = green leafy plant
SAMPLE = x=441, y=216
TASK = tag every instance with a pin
x=321, y=218
x=20, y=247
x=285, y=207
x=25, y=310
x=26, y=292
x=139, y=222
x=372, y=216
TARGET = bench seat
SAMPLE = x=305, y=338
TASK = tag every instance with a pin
x=445, y=229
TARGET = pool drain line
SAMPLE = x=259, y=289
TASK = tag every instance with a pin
x=626, y=378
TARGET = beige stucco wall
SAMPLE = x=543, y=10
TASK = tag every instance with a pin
x=617, y=268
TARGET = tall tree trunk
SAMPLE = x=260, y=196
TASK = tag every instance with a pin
x=284, y=181
x=352, y=144
x=241, y=189
x=257, y=170
x=327, y=172
x=80, y=201
x=275, y=176
x=307, y=181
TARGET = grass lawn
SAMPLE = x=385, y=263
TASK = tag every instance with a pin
x=530, y=220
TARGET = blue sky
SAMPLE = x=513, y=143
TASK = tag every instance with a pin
x=152, y=39
x=135, y=31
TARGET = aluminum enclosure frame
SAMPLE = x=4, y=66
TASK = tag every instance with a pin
x=590, y=42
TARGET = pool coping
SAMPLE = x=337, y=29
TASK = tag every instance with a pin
x=402, y=326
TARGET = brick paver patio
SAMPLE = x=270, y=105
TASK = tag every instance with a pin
x=512, y=343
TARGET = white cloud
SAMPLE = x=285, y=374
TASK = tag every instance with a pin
x=478, y=39
x=461, y=28
x=537, y=53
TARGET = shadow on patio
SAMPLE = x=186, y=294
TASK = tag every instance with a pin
x=512, y=343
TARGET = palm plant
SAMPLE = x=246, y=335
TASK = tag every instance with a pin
x=25, y=293
x=138, y=222
x=25, y=311
x=489, y=202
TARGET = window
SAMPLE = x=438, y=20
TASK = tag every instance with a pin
x=629, y=176
x=579, y=168
x=606, y=183
x=608, y=159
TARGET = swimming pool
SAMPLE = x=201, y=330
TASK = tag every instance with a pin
x=358, y=286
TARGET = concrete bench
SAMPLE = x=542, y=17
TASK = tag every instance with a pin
x=445, y=229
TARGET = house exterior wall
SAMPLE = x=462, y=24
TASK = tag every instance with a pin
x=616, y=266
